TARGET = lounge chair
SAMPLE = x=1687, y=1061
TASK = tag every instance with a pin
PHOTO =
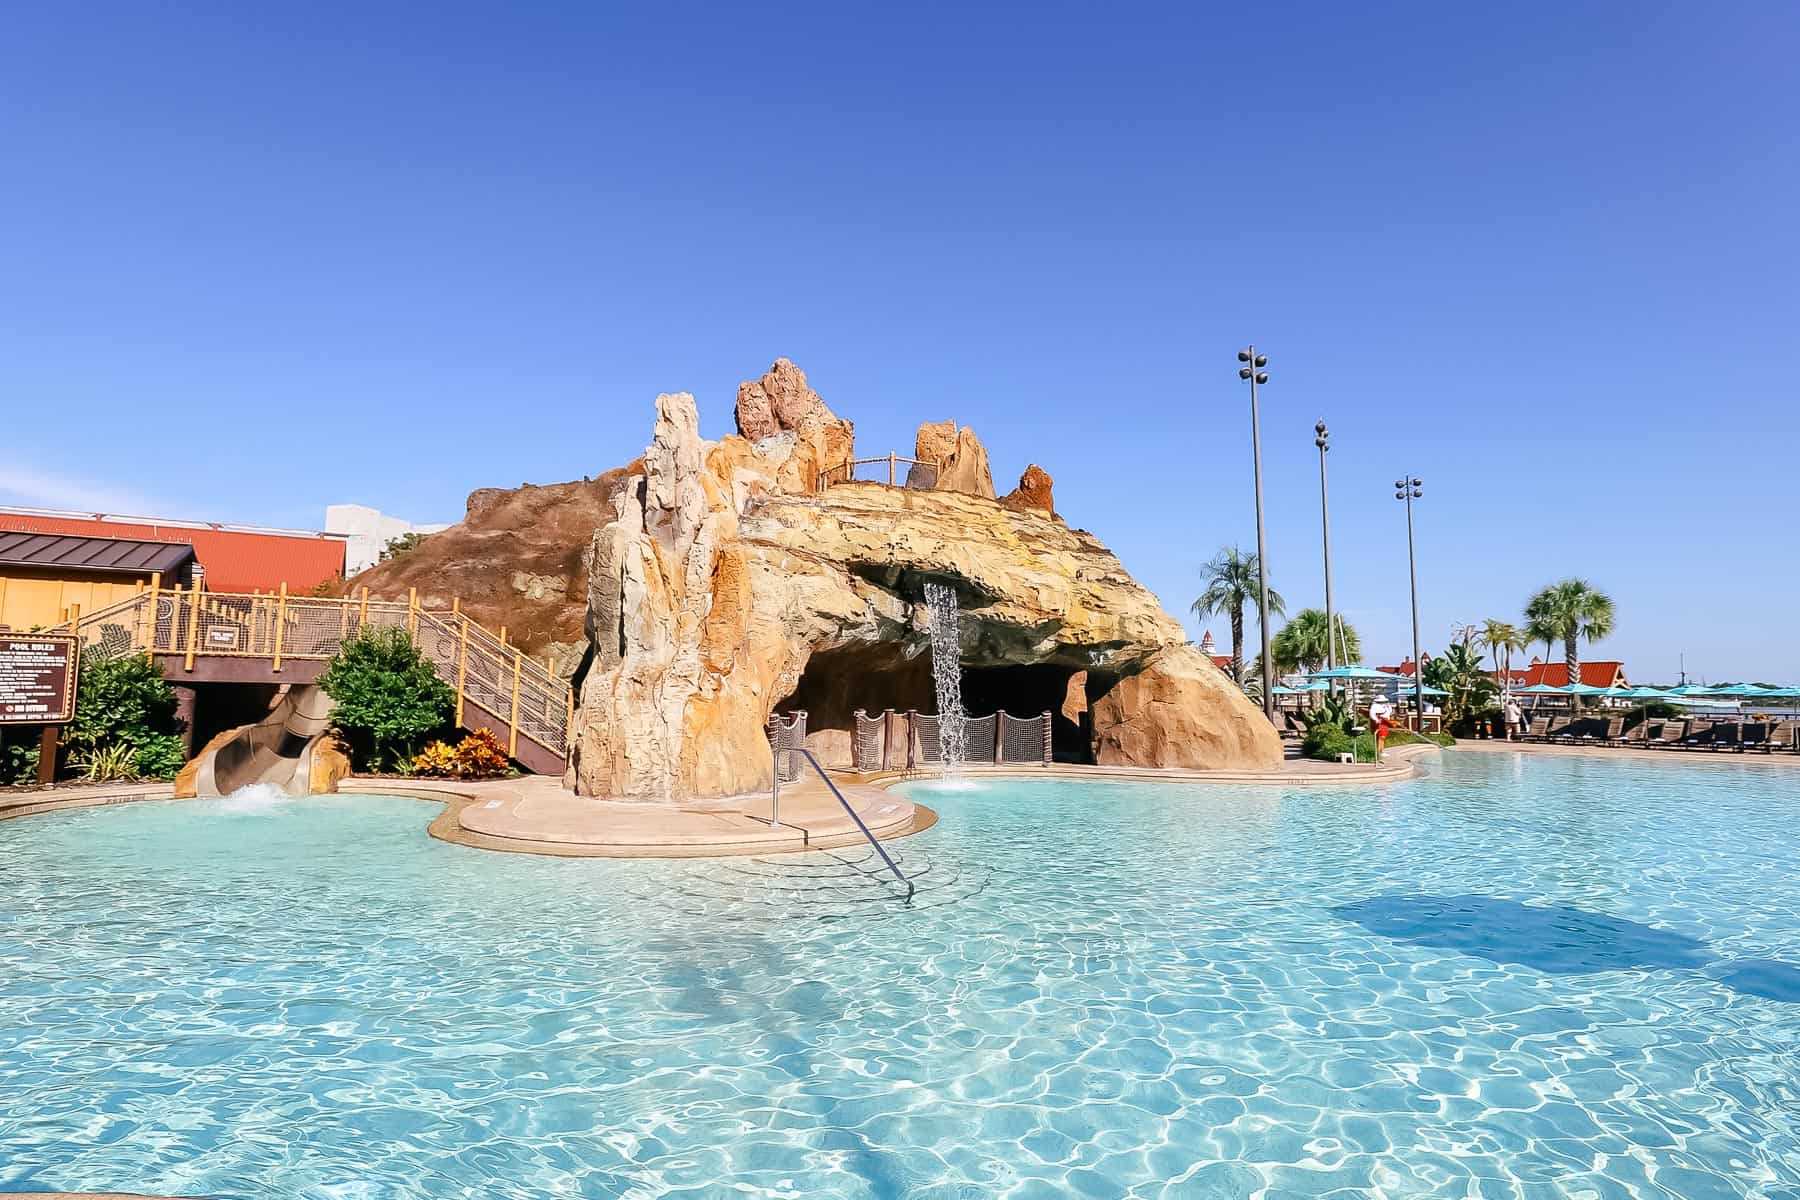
x=1754, y=736
x=1582, y=729
x=1699, y=736
x=1537, y=731
x=1727, y=735
x=1637, y=735
x=1669, y=735
x=1782, y=737
x=1614, y=732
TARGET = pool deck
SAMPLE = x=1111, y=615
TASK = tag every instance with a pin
x=536, y=815
x=1687, y=754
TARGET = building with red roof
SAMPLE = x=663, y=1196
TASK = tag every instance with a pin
x=1604, y=673
x=230, y=558
x=1210, y=648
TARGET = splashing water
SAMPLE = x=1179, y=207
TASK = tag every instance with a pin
x=946, y=672
x=256, y=797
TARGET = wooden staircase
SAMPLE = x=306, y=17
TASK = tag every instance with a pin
x=222, y=637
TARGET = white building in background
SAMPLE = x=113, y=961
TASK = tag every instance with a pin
x=369, y=530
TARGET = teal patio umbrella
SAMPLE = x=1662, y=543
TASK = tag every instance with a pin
x=1748, y=690
x=1355, y=672
x=1643, y=692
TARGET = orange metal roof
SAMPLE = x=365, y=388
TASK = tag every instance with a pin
x=234, y=559
x=1595, y=674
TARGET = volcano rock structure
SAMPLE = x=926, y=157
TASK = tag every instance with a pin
x=697, y=590
x=730, y=585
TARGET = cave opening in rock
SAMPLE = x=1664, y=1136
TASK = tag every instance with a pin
x=1025, y=691
x=870, y=676
x=877, y=676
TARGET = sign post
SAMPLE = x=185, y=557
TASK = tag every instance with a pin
x=38, y=672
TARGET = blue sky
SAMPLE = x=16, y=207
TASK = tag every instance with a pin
x=1543, y=257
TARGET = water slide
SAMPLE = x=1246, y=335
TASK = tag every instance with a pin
x=277, y=750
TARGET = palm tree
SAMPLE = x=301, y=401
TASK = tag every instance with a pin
x=1231, y=583
x=1567, y=612
x=1502, y=638
x=1300, y=645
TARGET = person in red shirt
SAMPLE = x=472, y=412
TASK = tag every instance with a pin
x=1381, y=714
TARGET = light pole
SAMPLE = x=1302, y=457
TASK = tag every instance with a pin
x=1410, y=490
x=1252, y=370
x=1322, y=439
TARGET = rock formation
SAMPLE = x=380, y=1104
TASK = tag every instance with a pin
x=707, y=584
x=1173, y=713
x=962, y=461
x=727, y=586
x=781, y=404
x=1033, y=492
x=518, y=559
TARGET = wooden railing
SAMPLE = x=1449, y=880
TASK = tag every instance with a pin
x=481, y=668
x=845, y=472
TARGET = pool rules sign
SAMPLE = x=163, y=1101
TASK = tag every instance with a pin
x=37, y=678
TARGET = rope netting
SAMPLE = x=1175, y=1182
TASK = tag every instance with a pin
x=784, y=738
x=1027, y=739
x=873, y=748
x=928, y=744
x=978, y=739
x=870, y=743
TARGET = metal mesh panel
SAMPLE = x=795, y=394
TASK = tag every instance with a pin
x=1025, y=739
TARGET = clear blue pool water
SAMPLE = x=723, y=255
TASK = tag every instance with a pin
x=1519, y=978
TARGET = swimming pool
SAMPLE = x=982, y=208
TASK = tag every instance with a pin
x=1517, y=977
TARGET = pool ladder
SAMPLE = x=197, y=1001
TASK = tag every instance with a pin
x=776, y=751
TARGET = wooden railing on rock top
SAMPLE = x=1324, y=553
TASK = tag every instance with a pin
x=845, y=472
x=495, y=684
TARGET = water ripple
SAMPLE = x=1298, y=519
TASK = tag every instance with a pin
x=1517, y=978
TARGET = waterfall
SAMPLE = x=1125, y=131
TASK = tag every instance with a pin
x=946, y=671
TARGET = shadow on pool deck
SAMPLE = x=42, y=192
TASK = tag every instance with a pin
x=1555, y=939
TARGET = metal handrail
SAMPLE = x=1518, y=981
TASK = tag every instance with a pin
x=775, y=799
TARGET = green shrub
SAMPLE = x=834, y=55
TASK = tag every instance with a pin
x=124, y=719
x=1326, y=740
x=19, y=753
x=386, y=697
x=406, y=543
x=1330, y=710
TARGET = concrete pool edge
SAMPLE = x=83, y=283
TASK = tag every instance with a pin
x=811, y=820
